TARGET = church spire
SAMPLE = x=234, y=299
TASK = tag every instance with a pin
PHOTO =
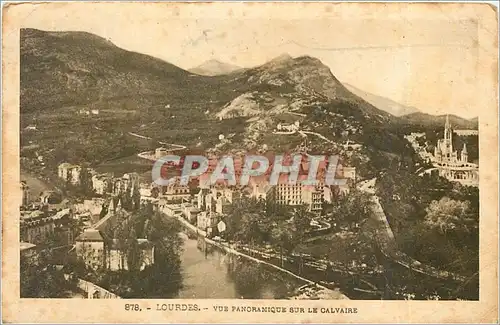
x=464, y=150
x=447, y=123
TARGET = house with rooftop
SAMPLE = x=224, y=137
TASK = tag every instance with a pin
x=98, y=248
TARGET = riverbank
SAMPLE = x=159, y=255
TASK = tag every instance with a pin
x=311, y=290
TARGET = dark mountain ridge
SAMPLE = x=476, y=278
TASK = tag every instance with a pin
x=428, y=120
x=72, y=68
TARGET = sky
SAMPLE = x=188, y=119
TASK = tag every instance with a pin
x=421, y=58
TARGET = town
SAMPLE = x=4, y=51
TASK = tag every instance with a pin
x=261, y=222
x=86, y=226
x=392, y=214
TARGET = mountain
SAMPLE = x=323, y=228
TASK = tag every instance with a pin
x=424, y=119
x=65, y=74
x=75, y=68
x=382, y=103
x=214, y=68
x=310, y=78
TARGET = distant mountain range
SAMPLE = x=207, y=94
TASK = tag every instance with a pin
x=65, y=72
x=411, y=115
x=382, y=103
x=61, y=69
x=429, y=120
x=214, y=68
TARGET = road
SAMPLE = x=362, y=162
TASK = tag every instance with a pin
x=177, y=146
x=318, y=135
x=388, y=246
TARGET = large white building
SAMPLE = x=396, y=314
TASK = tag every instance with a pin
x=102, y=183
x=69, y=173
x=450, y=164
x=444, y=153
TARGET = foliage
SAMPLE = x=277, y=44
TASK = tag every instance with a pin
x=350, y=208
x=434, y=220
x=44, y=281
x=448, y=215
x=253, y=221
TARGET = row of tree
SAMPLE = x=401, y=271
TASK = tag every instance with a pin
x=259, y=222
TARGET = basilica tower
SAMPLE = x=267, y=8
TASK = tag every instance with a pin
x=448, y=140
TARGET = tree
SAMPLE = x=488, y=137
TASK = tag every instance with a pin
x=43, y=281
x=85, y=186
x=301, y=223
x=244, y=220
x=351, y=208
x=448, y=215
x=133, y=253
x=283, y=237
x=136, y=198
x=155, y=192
x=249, y=230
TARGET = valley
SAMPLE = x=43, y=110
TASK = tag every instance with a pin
x=87, y=102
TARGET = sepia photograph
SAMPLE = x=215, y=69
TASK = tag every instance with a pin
x=185, y=153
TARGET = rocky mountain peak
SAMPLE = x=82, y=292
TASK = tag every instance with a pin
x=214, y=67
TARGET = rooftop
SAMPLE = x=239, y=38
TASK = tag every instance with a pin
x=24, y=246
x=143, y=243
x=90, y=235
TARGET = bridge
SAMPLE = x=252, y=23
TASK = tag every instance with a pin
x=93, y=290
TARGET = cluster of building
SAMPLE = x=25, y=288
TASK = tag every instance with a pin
x=89, y=111
x=300, y=193
x=206, y=207
x=212, y=203
x=98, y=248
x=39, y=226
x=99, y=183
x=44, y=219
x=48, y=217
x=285, y=127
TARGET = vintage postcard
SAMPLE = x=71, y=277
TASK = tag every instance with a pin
x=249, y=162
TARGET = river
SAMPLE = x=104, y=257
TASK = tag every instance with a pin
x=218, y=275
